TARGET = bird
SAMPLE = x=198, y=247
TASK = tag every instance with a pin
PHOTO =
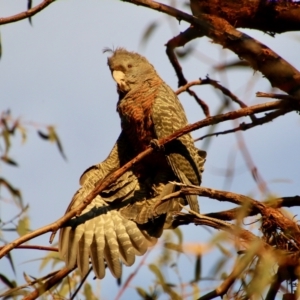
x=149, y=110
x=128, y=217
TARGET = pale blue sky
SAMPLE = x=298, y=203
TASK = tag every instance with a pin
x=54, y=72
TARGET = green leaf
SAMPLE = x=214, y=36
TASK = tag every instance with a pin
x=27, y=278
x=23, y=226
x=177, y=231
x=66, y=287
x=196, y=291
x=9, y=161
x=7, y=282
x=53, y=137
x=11, y=262
x=174, y=247
x=198, y=268
x=43, y=135
x=53, y=134
x=148, y=32
x=161, y=280
x=6, y=137
x=56, y=259
x=219, y=264
x=14, y=192
x=50, y=257
x=142, y=292
x=23, y=133
x=14, y=126
x=88, y=292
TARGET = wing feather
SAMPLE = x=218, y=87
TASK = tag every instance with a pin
x=168, y=116
x=101, y=232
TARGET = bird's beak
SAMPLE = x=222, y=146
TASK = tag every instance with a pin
x=119, y=77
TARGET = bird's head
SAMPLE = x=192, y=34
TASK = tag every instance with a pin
x=128, y=69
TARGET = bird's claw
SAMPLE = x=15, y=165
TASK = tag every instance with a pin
x=155, y=145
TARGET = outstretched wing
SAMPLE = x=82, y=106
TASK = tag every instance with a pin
x=101, y=231
x=168, y=116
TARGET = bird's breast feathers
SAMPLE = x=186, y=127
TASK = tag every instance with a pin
x=135, y=111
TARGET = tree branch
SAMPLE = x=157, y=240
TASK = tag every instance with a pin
x=35, y=247
x=276, y=96
x=267, y=16
x=26, y=14
x=272, y=219
x=10, y=292
x=224, y=90
x=245, y=126
x=186, y=88
x=278, y=71
x=56, y=278
x=110, y=179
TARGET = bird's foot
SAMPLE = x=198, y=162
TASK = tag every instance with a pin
x=155, y=145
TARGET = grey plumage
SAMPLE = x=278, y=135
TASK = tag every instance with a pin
x=149, y=109
x=127, y=217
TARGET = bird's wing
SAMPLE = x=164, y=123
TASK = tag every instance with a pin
x=168, y=116
x=101, y=232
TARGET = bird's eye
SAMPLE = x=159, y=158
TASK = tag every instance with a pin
x=129, y=66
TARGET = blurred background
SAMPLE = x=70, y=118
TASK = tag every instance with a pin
x=54, y=73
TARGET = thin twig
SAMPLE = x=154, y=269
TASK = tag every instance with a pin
x=277, y=96
x=186, y=88
x=35, y=247
x=15, y=217
x=224, y=90
x=269, y=214
x=247, y=238
x=188, y=85
x=81, y=283
x=180, y=40
x=26, y=14
x=234, y=198
x=246, y=154
x=245, y=126
x=13, y=290
x=202, y=104
x=232, y=214
x=55, y=279
x=132, y=275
